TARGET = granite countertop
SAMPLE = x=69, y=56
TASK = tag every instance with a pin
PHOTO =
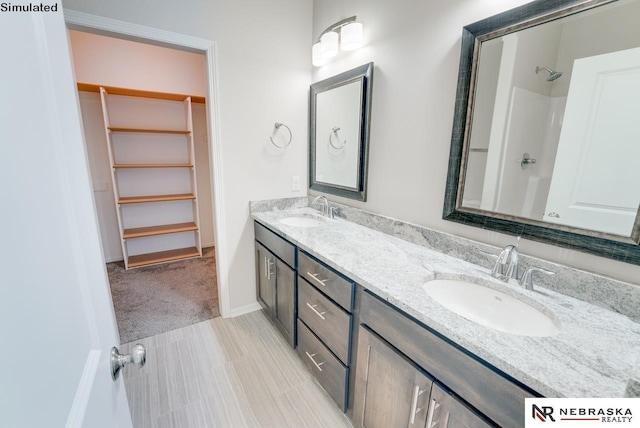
x=593, y=355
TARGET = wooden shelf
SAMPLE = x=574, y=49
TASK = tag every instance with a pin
x=149, y=130
x=155, y=198
x=90, y=87
x=164, y=229
x=162, y=256
x=152, y=165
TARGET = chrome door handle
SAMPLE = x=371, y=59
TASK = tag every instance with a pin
x=137, y=357
x=313, y=308
x=268, y=267
x=417, y=392
x=314, y=361
x=433, y=405
x=315, y=277
x=265, y=266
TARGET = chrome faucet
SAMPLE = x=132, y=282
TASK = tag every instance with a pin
x=323, y=202
x=506, y=266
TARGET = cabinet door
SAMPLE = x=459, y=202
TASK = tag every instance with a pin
x=390, y=390
x=284, y=316
x=446, y=411
x=265, y=279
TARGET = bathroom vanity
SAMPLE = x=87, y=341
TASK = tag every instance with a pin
x=387, y=352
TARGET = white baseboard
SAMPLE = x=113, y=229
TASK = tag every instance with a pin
x=252, y=307
x=208, y=244
x=113, y=259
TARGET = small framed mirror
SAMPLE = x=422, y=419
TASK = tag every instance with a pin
x=339, y=115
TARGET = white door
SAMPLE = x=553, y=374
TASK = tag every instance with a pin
x=56, y=318
x=595, y=177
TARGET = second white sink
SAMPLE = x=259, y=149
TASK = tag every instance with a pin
x=491, y=308
x=302, y=221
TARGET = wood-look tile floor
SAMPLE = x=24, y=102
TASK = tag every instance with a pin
x=236, y=372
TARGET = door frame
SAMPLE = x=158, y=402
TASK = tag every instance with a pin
x=81, y=21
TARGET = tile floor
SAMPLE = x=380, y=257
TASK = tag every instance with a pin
x=237, y=372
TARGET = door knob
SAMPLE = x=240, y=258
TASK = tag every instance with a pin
x=137, y=357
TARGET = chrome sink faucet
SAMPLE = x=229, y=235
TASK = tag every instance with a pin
x=506, y=266
x=323, y=202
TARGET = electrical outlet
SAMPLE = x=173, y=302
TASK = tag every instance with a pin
x=295, y=183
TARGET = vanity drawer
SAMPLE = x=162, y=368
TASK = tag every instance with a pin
x=326, y=280
x=326, y=368
x=278, y=246
x=326, y=319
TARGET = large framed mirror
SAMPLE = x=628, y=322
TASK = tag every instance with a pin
x=339, y=115
x=545, y=141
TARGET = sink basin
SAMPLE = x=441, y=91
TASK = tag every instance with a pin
x=491, y=308
x=302, y=221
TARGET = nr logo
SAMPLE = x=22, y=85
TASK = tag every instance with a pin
x=542, y=413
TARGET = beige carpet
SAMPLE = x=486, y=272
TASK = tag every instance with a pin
x=156, y=299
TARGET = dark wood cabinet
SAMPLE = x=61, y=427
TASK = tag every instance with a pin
x=276, y=281
x=391, y=390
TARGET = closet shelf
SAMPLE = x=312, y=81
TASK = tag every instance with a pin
x=152, y=165
x=155, y=198
x=139, y=232
x=149, y=130
x=162, y=256
x=90, y=87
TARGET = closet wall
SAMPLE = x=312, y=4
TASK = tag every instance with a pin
x=114, y=62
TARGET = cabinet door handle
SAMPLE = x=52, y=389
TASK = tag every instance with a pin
x=433, y=405
x=315, y=277
x=313, y=308
x=314, y=361
x=268, y=267
x=417, y=392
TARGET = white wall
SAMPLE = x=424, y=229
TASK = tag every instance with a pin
x=115, y=62
x=263, y=70
x=416, y=48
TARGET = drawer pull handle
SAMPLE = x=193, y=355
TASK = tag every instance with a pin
x=417, y=392
x=313, y=308
x=314, y=361
x=315, y=277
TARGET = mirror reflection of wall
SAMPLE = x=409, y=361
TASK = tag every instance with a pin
x=521, y=106
x=338, y=123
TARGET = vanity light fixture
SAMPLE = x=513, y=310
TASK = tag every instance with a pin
x=346, y=33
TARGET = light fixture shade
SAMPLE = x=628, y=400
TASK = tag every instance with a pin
x=351, y=36
x=329, y=44
x=316, y=55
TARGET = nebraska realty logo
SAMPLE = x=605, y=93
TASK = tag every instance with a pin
x=564, y=412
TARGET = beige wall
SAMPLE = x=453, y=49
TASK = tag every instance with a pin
x=416, y=47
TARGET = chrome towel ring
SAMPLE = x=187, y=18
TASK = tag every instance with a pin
x=277, y=126
x=335, y=130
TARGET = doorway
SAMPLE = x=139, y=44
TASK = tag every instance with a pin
x=156, y=297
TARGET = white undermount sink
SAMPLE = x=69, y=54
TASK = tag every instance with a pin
x=302, y=221
x=491, y=308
